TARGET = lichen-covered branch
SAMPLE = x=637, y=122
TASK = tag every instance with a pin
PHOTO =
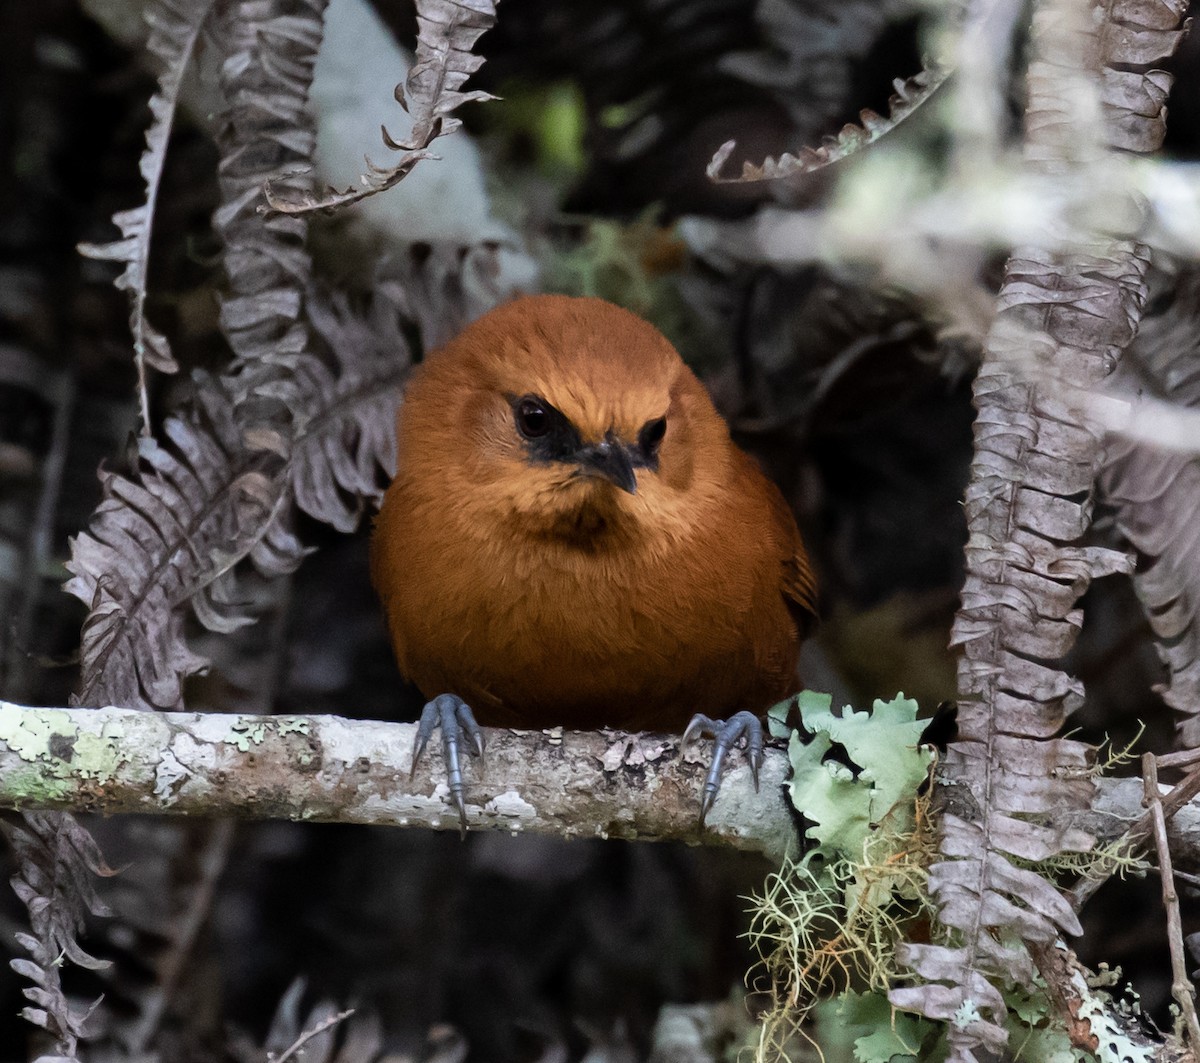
x=325, y=768
x=330, y=769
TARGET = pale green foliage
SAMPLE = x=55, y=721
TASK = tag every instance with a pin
x=1101, y=1011
x=830, y=922
x=883, y=745
x=826, y=926
x=864, y=1028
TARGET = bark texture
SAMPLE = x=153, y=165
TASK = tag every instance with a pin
x=572, y=784
x=329, y=769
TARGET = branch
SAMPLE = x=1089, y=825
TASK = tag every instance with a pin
x=330, y=769
x=325, y=768
x=1181, y=987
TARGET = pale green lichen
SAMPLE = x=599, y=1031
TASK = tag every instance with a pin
x=63, y=753
x=246, y=734
x=97, y=756
x=33, y=787
x=27, y=732
x=293, y=725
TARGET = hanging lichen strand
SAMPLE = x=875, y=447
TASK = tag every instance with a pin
x=1066, y=310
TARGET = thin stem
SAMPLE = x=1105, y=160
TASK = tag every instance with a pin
x=308, y=1035
x=1181, y=986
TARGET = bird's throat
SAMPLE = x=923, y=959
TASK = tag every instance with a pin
x=589, y=521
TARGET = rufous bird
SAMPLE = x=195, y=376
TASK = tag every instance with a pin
x=573, y=539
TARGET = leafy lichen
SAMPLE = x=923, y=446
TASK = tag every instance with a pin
x=28, y=732
x=244, y=734
x=58, y=750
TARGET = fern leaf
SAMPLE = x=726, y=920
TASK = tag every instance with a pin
x=1063, y=320
x=1156, y=497
x=56, y=861
x=209, y=497
x=340, y=451
x=447, y=31
x=160, y=539
x=175, y=30
x=909, y=96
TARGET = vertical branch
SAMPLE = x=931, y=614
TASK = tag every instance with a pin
x=1181, y=986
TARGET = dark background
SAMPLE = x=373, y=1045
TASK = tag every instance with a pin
x=527, y=948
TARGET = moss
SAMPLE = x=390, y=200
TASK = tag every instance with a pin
x=32, y=787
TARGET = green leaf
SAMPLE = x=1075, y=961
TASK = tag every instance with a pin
x=777, y=725
x=1048, y=1044
x=829, y=795
x=882, y=744
x=1031, y=1006
x=878, y=1033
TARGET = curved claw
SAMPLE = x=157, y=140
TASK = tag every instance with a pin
x=457, y=722
x=741, y=726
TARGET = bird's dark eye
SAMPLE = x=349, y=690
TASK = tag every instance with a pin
x=533, y=419
x=652, y=434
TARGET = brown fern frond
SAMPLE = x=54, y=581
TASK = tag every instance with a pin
x=1064, y=318
x=1156, y=497
x=56, y=859
x=447, y=31
x=162, y=538
x=175, y=30
x=910, y=94
x=344, y=453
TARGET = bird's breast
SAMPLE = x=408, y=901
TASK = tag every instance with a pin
x=608, y=629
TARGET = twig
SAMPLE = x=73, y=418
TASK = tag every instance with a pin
x=308, y=1035
x=1184, y=758
x=1181, y=986
x=1142, y=827
x=1183, y=876
x=1058, y=965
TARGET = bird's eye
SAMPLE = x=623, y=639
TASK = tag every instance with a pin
x=652, y=434
x=533, y=420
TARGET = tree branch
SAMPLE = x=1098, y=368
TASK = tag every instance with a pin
x=328, y=769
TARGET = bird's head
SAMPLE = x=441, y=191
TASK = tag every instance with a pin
x=571, y=415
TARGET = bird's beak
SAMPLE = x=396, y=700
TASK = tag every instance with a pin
x=611, y=461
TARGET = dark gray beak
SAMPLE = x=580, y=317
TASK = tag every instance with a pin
x=611, y=461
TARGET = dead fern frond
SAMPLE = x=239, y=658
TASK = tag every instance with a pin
x=56, y=859
x=1155, y=493
x=1065, y=315
x=175, y=30
x=447, y=31
x=910, y=94
x=167, y=536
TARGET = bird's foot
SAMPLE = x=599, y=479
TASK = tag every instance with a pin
x=457, y=721
x=743, y=726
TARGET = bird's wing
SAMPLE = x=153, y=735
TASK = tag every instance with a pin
x=799, y=584
x=800, y=589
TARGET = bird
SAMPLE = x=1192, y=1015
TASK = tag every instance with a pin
x=573, y=538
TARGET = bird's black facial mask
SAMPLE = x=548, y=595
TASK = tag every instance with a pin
x=549, y=436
